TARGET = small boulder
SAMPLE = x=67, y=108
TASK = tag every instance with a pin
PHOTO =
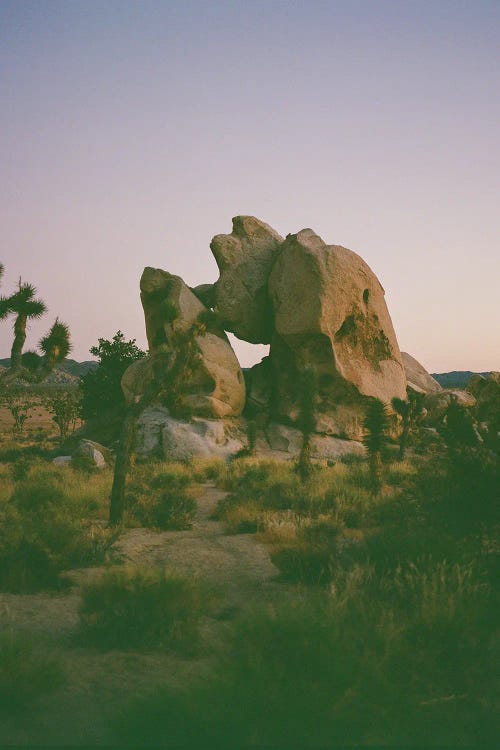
x=62, y=460
x=98, y=454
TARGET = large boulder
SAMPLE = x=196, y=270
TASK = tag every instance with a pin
x=216, y=388
x=289, y=440
x=245, y=258
x=437, y=403
x=330, y=314
x=417, y=377
x=159, y=434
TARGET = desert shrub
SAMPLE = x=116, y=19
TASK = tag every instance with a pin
x=130, y=607
x=26, y=673
x=101, y=388
x=209, y=469
x=243, y=519
x=405, y=658
x=311, y=556
x=20, y=469
x=160, y=499
x=167, y=509
x=44, y=530
x=304, y=562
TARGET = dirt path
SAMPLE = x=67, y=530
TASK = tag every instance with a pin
x=237, y=564
x=98, y=683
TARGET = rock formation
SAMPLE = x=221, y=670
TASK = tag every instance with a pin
x=417, y=376
x=319, y=306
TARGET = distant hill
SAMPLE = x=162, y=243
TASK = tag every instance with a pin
x=455, y=379
x=69, y=366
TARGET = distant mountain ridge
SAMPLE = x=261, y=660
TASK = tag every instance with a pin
x=456, y=378
x=69, y=366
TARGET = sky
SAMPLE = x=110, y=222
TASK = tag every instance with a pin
x=132, y=132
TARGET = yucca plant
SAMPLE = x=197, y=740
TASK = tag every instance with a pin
x=409, y=411
x=376, y=427
x=4, y=301
x=307, y=420
x=173, y=365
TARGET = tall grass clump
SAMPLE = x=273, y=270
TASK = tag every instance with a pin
x=26, y=672
x=132, y=607
x=160, y=498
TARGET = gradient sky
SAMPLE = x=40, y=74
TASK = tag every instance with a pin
x=131, y=133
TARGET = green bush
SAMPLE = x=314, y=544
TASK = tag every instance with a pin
x=161, y=500
x=303, y=562
x=44, y=530
x=25, y=672
x=130, y=607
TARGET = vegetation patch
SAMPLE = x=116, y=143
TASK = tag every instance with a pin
x=161, y=499
x=130, y=607
x=363, y=664
x=26, y=673
x=48, y=525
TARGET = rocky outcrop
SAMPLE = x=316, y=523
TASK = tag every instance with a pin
x=319, y=306
x=245, y=258
x=437, y=403
x=289, y=440
x=330, y=314
x=216, y=388
x=159, y=434
x=417, y=377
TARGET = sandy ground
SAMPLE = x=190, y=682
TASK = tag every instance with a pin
x=99, y=683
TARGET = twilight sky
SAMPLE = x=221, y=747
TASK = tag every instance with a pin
x=131, y=133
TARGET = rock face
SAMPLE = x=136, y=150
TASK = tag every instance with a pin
x=417, y=377
x=216, y=387
x=245, y=258
x=330, y=314
x=160, y=434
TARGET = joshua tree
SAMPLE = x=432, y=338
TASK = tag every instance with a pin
x=409, y=411
x=376, y=425
x=173, y=365
x=24, y=306
x=307, y=420
x=55, y=346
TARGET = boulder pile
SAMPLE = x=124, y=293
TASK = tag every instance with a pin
x=319, y=307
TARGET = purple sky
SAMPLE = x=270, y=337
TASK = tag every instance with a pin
x=131, y=133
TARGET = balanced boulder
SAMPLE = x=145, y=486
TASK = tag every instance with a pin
x=245, y=258
x=215, y=386
x=330, y=315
